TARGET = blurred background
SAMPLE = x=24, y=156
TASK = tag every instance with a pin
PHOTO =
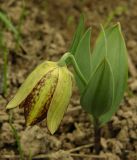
x=37, y=30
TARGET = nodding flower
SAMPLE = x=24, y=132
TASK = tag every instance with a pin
x=45, y=94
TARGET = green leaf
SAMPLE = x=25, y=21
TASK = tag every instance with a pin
x=99, y=51
x=9, y=25
x=30, y=83
x=118, y=60
x=116, y=54
x=98, y=96
x=83, y=58
x=77, y=36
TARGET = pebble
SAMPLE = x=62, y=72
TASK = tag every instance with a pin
x=133, y=134
x=123, y=135
x=131, y=44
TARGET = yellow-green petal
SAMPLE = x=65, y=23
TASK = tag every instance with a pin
x=60, y=100
x=30, y=83
x=37, y=111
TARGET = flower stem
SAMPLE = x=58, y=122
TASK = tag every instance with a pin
x=97, y=136
x=69, y=56
x=62, y=61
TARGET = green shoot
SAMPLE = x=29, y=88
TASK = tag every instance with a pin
x=30, y=156
x=4, y=52
x=17, y=138
x=16, y=32
x=8, y=24
x=77, y=36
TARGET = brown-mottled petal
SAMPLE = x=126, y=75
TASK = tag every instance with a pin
x=34, y=96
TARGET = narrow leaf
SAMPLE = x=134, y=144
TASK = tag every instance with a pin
x=99, y=51
x=9, y=25
x=77, y=36
x=83, y=58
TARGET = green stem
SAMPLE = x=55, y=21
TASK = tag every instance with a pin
x=62, y=62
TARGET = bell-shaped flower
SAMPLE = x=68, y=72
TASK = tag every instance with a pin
x=45, y=94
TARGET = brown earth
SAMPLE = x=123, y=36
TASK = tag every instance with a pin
x=47, y=29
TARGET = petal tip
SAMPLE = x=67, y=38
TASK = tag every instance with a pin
x=52, y=131
x=52, y=128
x=10, y=106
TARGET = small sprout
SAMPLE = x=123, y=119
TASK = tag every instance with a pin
x=101, y=78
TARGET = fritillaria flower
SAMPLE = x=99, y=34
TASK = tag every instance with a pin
x=45, y=94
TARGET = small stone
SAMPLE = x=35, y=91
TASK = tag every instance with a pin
x=111, y=156
x=123, y=135
x=134, y=119
x=59, y=39
x=124, y=122
x=133, y=86
x=3, y=117
x=127, y=114
x=131, y=44
x=130, y=124
x=104, y=143
x=132, y=155
x=115, y=145
x=120, y=112
x=6, y=134
x=133, y=134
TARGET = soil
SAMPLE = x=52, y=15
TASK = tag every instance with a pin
x=46, y=30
